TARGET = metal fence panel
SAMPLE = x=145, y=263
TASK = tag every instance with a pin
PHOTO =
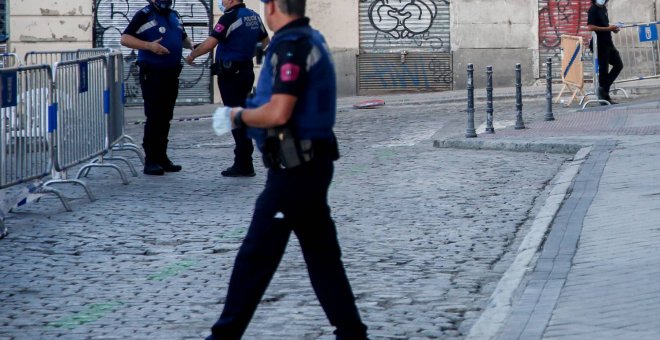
x=80, y=94
x=9, y=60
x=639, y=50
x=48, y=57
x=24, y=144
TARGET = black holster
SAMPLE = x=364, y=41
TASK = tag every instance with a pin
x=282, y=150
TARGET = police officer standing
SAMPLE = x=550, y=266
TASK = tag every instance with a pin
x=236, y=34
x=291, y=119
x=598, y=21
x=157, y=32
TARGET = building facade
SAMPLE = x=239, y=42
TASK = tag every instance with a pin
x=380, y=46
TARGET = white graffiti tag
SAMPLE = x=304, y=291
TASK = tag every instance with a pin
x=402, y=19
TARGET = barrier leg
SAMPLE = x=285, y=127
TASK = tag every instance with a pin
x=72, y=181
x=64, y=200
x=82, y=170
x=130, y=147
x=123, y=159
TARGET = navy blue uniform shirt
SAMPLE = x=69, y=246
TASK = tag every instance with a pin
x=149, y=24
x=238, y=31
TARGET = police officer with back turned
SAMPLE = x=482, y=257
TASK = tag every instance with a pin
x=236, y=34
x=291, y=119
x=157, y=32
x=598, y=21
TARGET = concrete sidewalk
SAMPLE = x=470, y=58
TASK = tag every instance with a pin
x=590, y=266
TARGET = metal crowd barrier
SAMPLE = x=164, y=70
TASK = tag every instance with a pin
x=640, y=53
x=81, y=103
x=638, y=46
x=25, y=140
x=9, y=60
x=48, y=57
x=54, y=117
x=118, y=139
x=52, y=57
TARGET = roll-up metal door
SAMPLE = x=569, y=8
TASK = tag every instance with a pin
x=404, y=46
x=112, y=17
x=556, y=18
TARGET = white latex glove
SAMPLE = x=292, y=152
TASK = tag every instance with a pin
x=221, y=120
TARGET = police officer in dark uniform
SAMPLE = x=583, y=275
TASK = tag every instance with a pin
x=157, y=32
x=291, y=118
x=598, y=21
x=236, y=34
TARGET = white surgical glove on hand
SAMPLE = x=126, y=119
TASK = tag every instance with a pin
x=221, y=120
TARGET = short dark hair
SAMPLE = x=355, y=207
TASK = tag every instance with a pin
x=292, y=7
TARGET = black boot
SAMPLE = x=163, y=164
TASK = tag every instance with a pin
x=153, y=169
x=168, y=166
x=239, y=171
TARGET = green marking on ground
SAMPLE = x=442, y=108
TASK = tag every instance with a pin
x=386, y=153
x=171, y=270
x=233, y=233
x=92, y=313
x=357, y=169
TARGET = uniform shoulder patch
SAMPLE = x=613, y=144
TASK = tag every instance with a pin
x=289, y=72
x=219, y=27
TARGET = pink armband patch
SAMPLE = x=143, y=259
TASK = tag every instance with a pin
x=219, y=27
x=289, y=72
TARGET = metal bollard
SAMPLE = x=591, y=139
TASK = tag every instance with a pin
x=470, y=132
x=548, y=91
x=489, y=100
x=519, y=104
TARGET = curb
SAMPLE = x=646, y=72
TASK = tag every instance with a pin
x=500, y=303
x=493, y=318
x=517, y=146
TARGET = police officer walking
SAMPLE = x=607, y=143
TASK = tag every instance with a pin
x=291, y=119
x=598, y=21
x=236, y=34
x=157, y=32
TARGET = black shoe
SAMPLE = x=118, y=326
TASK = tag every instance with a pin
x=612, y=102
x=235, y=171
x=153, y=169
x=168, y=166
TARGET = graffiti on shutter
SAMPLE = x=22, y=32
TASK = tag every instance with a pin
x=112, y=17
x=556, y=18
x=404, y=46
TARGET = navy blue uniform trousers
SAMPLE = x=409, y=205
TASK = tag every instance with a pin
x=300, y=195
x=160, y=88
x=234, y=90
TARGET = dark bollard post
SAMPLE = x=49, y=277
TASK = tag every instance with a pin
x=470, y=132
x=489, y=100
x=548, y=91
x=519, y=104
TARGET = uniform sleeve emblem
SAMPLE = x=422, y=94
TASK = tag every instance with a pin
x=219, y=28
x=289, y=72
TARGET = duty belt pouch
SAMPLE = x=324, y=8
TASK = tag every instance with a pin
x=281, y=149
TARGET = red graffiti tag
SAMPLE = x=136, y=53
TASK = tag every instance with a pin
x=560, y=17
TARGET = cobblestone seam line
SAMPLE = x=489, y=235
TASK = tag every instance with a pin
x=499, y=305
x=531, y=315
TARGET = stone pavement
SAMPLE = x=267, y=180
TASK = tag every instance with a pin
x=431, y=237
x=596, y=273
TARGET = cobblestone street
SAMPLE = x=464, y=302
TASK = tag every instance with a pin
x=426, y=234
